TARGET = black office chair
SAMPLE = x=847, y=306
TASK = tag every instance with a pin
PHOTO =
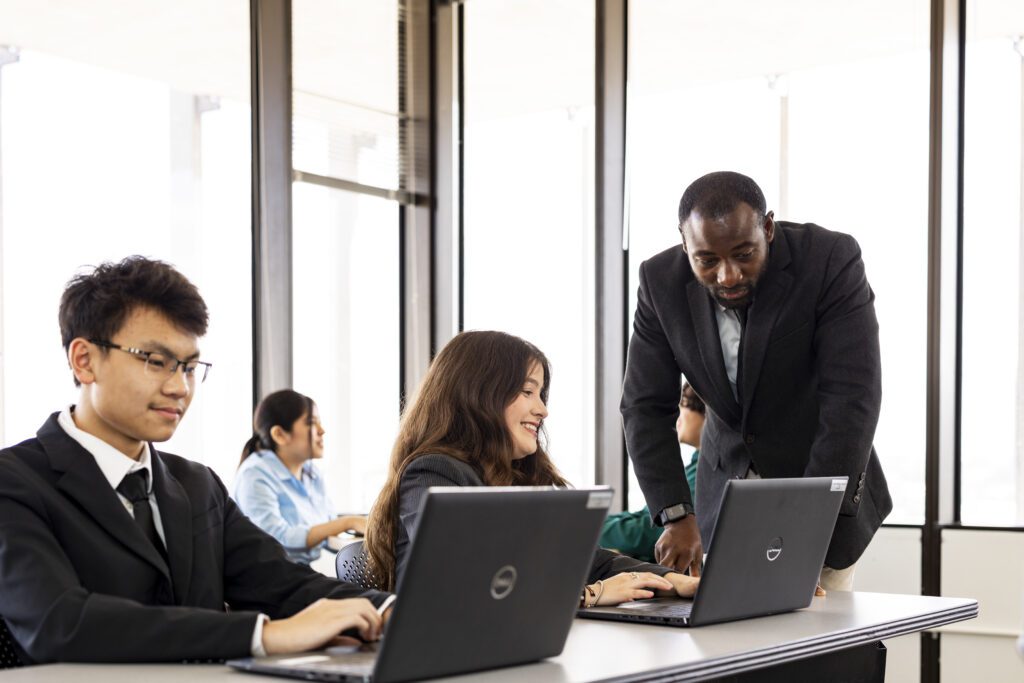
x=9, y=658
x=351, y=565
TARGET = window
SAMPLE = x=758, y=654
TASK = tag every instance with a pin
x=109, y=149
x=345, y=237
x=346, y=332
x=827, y=109
x=992, y=443
x=529, y=198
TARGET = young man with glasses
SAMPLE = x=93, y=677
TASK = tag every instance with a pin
x=112, y=551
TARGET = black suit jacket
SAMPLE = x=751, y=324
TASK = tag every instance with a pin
x=80, y=582
x=811, y=382
x=436, y=469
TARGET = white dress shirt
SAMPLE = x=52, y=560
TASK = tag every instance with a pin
x=115, y=465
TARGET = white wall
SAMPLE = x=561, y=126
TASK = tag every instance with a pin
x=988, y=566
x=892, y=564
x=985, y=565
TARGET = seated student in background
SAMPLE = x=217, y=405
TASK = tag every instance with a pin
x=633, y=533
x=112, y=551
x=476, y=421
x=279, y=487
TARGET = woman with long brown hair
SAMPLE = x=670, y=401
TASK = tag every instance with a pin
x=477, y=420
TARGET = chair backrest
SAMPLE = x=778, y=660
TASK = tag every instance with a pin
x=352, y=566
x=9, y=658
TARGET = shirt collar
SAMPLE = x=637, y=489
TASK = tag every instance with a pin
x=114, y=464
x=273, y=465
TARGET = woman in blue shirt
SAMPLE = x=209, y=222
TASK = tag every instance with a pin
x=277, y=485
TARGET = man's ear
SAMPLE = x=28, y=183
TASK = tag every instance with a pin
x=81, y=358
x=769, y=226
x=683, y=236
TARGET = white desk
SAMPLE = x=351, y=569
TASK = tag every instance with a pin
x=607, y=651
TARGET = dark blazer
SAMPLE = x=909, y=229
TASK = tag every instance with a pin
x=443, y=470
x=811, y=382
x=80, y=582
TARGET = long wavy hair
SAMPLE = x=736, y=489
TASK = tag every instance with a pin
x=459, y=410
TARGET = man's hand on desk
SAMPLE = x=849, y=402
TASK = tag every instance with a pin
x=318, y=624
x=819, y=592
x=679, y=546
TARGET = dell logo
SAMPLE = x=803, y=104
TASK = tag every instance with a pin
x=774, y=549
x=503, y=582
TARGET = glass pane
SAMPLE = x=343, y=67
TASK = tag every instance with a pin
x=992, y=460
x=827, y=109
x=110, y=148
x=529, y=197
x=346, y=278
x=346, y=332
x=345, y=90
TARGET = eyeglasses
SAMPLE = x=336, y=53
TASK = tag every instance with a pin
x=161, y=366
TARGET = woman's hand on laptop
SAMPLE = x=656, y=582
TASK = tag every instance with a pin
x=319, y=624
x=627, y=587
x=683, y=586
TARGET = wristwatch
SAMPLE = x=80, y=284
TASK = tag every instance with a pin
x=674, y=513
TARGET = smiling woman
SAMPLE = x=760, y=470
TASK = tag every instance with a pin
x=477, y=420
x=525, y=415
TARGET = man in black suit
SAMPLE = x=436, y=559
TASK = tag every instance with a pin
x=773, y=324
x=111, y=551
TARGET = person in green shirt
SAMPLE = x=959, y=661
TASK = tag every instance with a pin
x=633, y=533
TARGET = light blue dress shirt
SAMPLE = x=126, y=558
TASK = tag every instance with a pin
x=282, y=505
x=729, y=333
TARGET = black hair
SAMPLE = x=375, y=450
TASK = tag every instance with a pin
x=689, y=399
x=280, y=408
x=95, y=305
x=717, y=194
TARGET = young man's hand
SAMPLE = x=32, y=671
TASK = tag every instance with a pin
x=319, y=624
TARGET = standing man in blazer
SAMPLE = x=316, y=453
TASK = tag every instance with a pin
x=112, y=551
x=773, y=324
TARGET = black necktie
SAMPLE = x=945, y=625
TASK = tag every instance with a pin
x=135, y=487
x=741, y=315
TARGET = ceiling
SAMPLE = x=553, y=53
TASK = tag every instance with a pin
x=520, y=54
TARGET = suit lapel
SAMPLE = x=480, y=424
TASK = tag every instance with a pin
x=83, y=482
x=706, y=328
x=771, y=294
x=176, y=517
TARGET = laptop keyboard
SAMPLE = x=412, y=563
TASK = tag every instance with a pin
x=355, y=664
x=675, y=609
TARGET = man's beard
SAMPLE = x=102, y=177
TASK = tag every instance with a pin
x=745, y=292
x=745, y=295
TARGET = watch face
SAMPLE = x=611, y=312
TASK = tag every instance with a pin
x=671, y=514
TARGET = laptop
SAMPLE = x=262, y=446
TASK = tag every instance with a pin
x=764, y=557
x=493, y=579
